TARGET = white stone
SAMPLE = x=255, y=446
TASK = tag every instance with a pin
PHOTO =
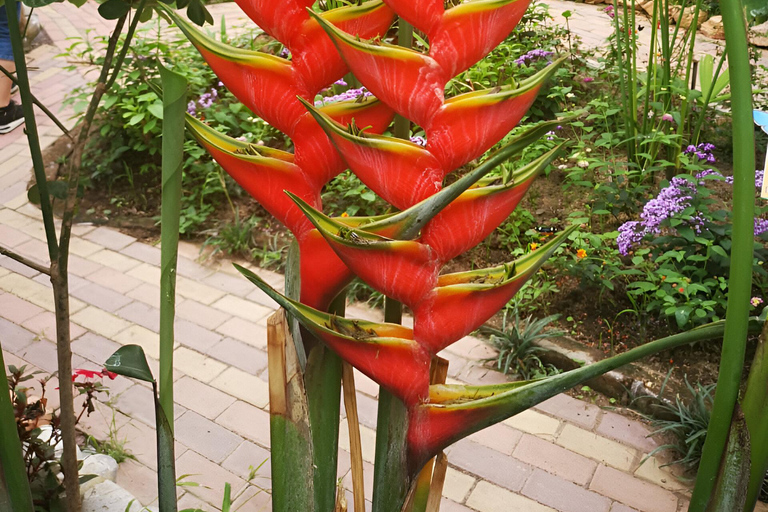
x=101, y=465
x=107, y=496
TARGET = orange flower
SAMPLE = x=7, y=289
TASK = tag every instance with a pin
x=534, y=246
x=345, y=214
x=581, y=253
x=681, y=289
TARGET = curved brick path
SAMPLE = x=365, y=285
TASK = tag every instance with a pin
x=564, y=455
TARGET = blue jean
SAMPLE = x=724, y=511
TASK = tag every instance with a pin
x=6, y=51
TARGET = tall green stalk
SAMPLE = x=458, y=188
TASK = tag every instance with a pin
x=740, y=282
x=14, y=474
x=755, y=407
x=390, y=476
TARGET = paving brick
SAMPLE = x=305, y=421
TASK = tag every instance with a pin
x=245, y=331
x=211, y=476
x=141, y=314
x=448, y=505
x=82, y=267
x=650, y=470
x=367, y=410
x=139, y=480
x=101, y=297
x=243, y=386
x=100, y=322
x=253, y=499
x=104, y=420
x=16, y=267
x=471, y=348
x=141, y=442
x=248, y=421
x=138, y=403
x=240, y=355
x=346, y=477
x=626, y=430
x=193, y=270
x=632, y=491
x=43, y=355
x=206, y=437
x=597, y=447
x=554, y=459
x=44, y=325
x=17, y=310
x=487, y=497
x=83, y=248
x=535, y=423
x=13, y=337
x=194, y=336
x=571, y=409
x=143, y=252
x=620, y=507
x=242, y=308
x=196, y=365
x=201, y=314
x=145, y=272
x=249, y=455
x=109, y=238
x=563, y=495
x=489, y=464
x=201, y=398
x=12, y=237
x=202, y=293
x=457, y=485
x=235, y=284
x=114, y=280
x=141, y=336
x=114, y=260
x=367, y=440
x=364, y=384
x=146, y=293
x=498, y=437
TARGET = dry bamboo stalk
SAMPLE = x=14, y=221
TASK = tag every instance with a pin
x=355, y=446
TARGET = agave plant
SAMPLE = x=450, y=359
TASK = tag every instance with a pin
x=399, y=254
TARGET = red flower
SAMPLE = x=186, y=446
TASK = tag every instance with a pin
x=88, y=374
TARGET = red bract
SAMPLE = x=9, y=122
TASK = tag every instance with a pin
x=88, y=374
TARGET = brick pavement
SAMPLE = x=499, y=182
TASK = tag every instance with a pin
x=564, y=455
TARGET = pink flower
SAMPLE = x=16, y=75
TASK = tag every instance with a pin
x=755, y=301
x=668, y=118
x=588, y=79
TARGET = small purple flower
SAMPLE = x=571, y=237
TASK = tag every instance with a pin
x=340, y=81
x=668, y=118
x=417, y=139
x=761, y=226
x=192, y=109
x=534, y=55
x=703, y=152
x=285, y=53
x=351, y=94
x=588, y=79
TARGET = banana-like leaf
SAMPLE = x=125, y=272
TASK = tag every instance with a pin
x=263, y=177
x=410, y=82
x=471, y=217
x=387, y=353
x=469, y=31
x=266, y=84
x=459, y=412
x=464, y=301
x=399, y=171
x=314, y=57
x=425, y=15
x=466, y=126
x=314, y=151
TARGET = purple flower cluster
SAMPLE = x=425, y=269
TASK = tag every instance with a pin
x=534, y=55
x=285, y=53
x=673, y=199
x=417, y=139
x=351, y=94
x=205, y=100
x=703, y=151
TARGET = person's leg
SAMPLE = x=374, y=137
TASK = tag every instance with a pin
x=11, y=115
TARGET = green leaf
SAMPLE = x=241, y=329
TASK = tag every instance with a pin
x=114, y=9
x=130, y=361
x=56, y=189
x=198, y=14
x=682, y=315
x=156, y=109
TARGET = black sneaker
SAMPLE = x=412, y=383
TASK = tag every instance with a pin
x=11, y=117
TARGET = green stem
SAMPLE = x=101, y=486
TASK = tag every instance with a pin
x=31, y=128
x=755, y=406
x=12, y=471
x=740, y=281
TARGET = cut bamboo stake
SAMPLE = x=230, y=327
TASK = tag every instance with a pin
x=355, y=445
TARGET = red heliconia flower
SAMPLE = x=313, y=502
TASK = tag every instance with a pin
x=399, y=171
x=323, y=274
x=387, y=353
x=314, y=151
x=477, y=212
x=462, y=302
x=411, y=82
x=468, y=32
x=425, y=15
x=468, y=125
